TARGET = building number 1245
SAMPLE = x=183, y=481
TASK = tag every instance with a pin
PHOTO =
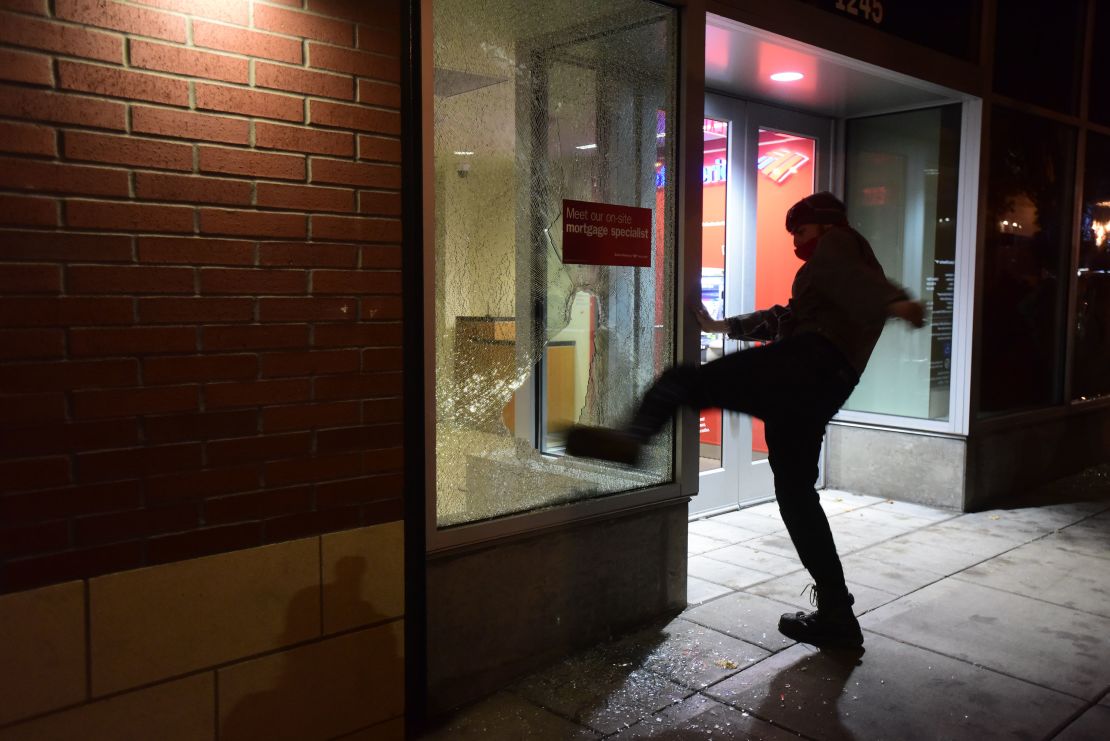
x=871, y=10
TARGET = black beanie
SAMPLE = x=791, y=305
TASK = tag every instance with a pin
x=819, y=208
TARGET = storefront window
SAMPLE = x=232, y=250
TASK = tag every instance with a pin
x=1091, y=348
x=1027, y=251
x=714, y=224
x=1098, y=105
x=901, y=192
x=1038, y=48
x=554, y=262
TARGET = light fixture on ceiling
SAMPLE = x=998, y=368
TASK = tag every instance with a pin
x=787, y=76
x=463, y=152
x=586, y=146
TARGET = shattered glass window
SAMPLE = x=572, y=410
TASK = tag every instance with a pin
x=536, y=104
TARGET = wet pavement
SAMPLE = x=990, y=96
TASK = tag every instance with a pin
x=992, y=625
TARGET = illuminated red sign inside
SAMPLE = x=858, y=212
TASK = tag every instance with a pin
x=874, y=196
x=709, y=426
x=606, y=234
x=781, y=164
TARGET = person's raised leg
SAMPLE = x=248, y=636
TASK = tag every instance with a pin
x=737, y=382
x=734, y=382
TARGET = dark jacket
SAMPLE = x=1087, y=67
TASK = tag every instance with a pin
x=841, y=293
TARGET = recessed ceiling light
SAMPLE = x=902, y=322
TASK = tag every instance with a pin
x=787, y=76
x=586, y=146
x=463, y=152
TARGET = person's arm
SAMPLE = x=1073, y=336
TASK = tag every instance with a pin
x=706, y=321
x=911, y=311
x=860, y=291
x=761, y=326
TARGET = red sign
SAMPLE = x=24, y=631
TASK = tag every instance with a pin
x=709, y=424
x=606, y=234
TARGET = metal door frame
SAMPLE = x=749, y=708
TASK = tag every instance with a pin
x=743, y=481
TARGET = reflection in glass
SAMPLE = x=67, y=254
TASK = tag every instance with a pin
x=1038, y=48
x=714, y=178
x=1026, y=254
x=1098, y=98
x=1091, y=348
x=786, y=173
x=901, y=193
x=534, y=104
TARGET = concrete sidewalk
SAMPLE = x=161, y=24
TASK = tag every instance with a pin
x=977, y=626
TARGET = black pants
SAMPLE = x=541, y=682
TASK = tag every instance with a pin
x=795, y=386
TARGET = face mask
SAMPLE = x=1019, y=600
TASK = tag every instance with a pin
x=805, y=250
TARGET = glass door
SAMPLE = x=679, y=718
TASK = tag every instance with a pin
x=758, y=161
x=722, y=196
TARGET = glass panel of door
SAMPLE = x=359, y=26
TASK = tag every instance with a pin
x=757, y=162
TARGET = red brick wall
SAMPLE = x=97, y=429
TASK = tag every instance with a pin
x=199, y=278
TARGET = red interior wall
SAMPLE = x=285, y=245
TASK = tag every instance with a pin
x=714, y=212
x=775, y=260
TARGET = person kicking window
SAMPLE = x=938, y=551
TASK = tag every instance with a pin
x=818, y=346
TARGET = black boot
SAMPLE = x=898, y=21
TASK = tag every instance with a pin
x=603, y=443
x=831, y=625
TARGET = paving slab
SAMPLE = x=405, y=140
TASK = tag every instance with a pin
x=778, y=544
x=700, y=590
x=506, y=715
x=744, y=555
x=753, y=521
x=1093, y=725
x=917, y=510
x=1042, y=643
x=1090, y=536
x=1086, y=508
x=699, y=717
x=1060, y=515
x=835, y=501
x=595, y=691
x=698, y=544
x=975, y=542
x=891, y=691
x=861, y=531
x=730, y=534
x=685, y=652
x=897, y=579
x=749, y=617
x=1019, y=525
x=1047, y=572
x=849, y=535
x=788, y=590
x=767, y=509
x=887, y=518
x=722, y=572
x=933, y=555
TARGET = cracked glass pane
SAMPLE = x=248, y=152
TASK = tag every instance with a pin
x=535, y=104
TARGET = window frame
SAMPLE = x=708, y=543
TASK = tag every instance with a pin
x=967, y=232
x=690, y=19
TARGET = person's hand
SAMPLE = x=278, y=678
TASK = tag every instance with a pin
x=705, y=319
x=911, y=311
